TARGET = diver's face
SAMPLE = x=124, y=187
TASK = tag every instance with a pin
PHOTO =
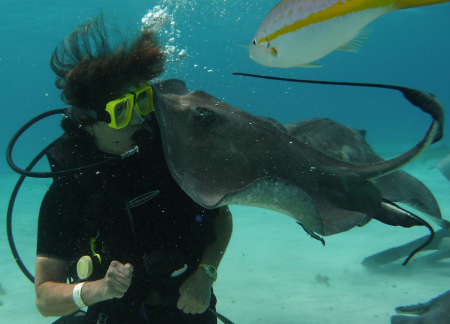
x=116, y=141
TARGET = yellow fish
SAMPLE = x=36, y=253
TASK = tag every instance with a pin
x=298, y=32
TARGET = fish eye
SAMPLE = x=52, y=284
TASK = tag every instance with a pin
x=254, y=42
x=201, y=110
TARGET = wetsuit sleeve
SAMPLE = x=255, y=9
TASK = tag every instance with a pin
x=59, y=219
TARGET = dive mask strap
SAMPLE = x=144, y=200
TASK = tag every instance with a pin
x=73, y=112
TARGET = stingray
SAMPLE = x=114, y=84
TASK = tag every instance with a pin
x=222, y=155
x=348, y=144
x=437, y=310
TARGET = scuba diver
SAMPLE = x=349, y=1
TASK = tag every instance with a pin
x=122, y=237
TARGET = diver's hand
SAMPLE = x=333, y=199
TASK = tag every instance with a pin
x=116, y=281
x=195, y=293
x=114, y=285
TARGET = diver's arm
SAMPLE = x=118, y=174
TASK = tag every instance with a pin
x=54, y=297
x=223, y=226
x=195, y=292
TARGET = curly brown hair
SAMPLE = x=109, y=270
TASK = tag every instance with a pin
x=96, y=64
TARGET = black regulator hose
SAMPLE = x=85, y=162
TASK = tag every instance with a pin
x=10, y=211
x=27, y=173
x=51, y=174
x=16, y=136
x=24, y=174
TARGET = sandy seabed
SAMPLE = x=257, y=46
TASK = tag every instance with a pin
x=270, y=270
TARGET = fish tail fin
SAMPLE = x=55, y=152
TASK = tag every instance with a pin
x=404, y=4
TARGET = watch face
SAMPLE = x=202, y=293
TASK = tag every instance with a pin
x=211, y=271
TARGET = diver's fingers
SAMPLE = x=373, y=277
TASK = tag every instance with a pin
x=126, y=269
x=120, y=272
x=117, y=280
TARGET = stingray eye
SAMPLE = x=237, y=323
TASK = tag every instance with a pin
x=201, y=110
x=205, y=116
x=254, y=42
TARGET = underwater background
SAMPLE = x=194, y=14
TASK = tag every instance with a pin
x=408, y=48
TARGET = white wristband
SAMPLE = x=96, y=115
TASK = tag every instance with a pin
x=77, y=295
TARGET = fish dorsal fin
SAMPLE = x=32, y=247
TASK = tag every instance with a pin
x=358, y=41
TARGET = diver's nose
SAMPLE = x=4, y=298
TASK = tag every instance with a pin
x=136, y=117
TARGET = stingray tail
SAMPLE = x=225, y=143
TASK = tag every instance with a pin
x=394, y=215
x=427, y=103
x=423, y=100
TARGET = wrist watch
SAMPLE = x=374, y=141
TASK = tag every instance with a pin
x=210, y=271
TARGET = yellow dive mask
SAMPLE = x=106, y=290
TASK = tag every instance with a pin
x=121, y=109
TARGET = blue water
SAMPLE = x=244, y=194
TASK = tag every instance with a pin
x=409, y=48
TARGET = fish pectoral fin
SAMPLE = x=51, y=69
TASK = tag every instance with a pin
x=273, y=51
x=309, y=65
x=355, y=44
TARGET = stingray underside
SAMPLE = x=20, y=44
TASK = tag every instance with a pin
x=318, y=215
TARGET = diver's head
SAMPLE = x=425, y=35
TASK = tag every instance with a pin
x=103, y=76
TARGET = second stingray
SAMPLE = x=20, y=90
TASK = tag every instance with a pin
x=347, y=144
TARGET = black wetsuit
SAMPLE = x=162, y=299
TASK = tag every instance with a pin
x=136, y=213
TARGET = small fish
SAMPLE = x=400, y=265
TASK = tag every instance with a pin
x=297, y=32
